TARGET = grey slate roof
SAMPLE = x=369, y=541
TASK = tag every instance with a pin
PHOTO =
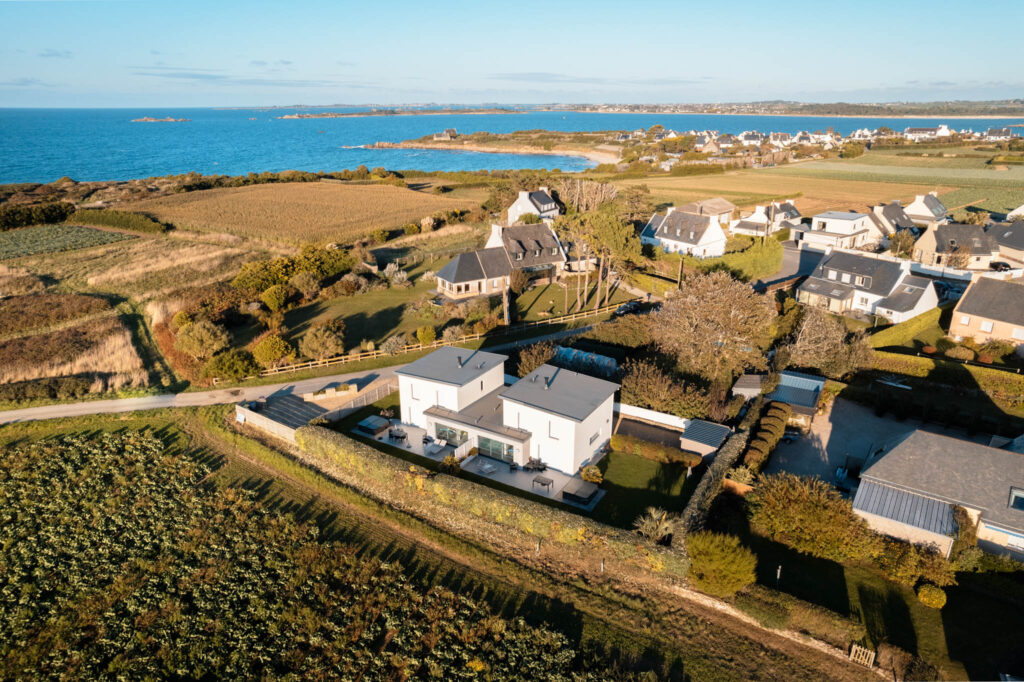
x=974, y=238
x=712, y=206
x=568, y=394
x=894, y=216
x=800, y=391
x=788, y=210
x=906, y=295
x=476, y=265
x=679, y=226
x=526, y=241
x=881, y=275
x=994, y=299
x=1009, y=236
x=899, y=505
x=455, y=366
x=956, y=472
x=936, y=207
x=706, y=433
x=749, y=382
x=543, y=201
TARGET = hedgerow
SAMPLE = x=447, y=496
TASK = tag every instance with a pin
x=122, y=220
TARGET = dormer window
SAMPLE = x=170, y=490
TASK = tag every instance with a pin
x=832, y=274
x=519, y=255
x=846, y=278
x=860, y=280
x=537, y=252
x=1017, y=499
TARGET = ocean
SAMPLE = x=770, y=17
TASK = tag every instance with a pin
x=41, y=145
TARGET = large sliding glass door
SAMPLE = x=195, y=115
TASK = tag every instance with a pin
x=495, y=449
x=451, y=434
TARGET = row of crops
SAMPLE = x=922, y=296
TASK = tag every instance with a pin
x=31, y=241
x=118, y=562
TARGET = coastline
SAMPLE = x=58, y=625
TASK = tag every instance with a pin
x=591, y=155
x=777, y=115
x=367, y=114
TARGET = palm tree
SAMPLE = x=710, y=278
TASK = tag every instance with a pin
x=656, y=524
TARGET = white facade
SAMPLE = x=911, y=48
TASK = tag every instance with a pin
x=711, y=243
x=840, y=230
x=417, y=393
x=561, y=442
x=525, y=205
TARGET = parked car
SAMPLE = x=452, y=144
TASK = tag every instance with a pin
x=1000, y=266
x=630, y=308
x=791, y=435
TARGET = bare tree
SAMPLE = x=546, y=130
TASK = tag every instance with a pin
x=714, y=326
x=585, y=195
x=959, y=258
x=822, y=343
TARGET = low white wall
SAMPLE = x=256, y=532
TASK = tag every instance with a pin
x=669, y=420
x=244, y=415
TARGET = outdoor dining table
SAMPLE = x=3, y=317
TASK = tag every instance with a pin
x=543, y=481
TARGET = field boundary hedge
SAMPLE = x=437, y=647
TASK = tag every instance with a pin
x=899, y=334
x=518, y=526
x=121, y=220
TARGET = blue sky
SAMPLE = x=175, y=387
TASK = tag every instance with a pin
x=123, y=53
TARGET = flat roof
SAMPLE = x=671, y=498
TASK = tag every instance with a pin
x=486, y=414
x=561, y=391
x=841, y=215
x=454, y=366
x=705, y=433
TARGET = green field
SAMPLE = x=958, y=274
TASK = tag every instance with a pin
x=31, y=241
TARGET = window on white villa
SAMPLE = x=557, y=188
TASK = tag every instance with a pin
x=964, y=319
x=1018, y=333
x=1017, y=499
x=412, y=391
x=595, y=436
x=551, y=431
x=986, y=326
x=863, y=300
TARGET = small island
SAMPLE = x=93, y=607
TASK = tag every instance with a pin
x=150, y=119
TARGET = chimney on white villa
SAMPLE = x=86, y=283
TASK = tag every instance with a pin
x=669, y=210
x=459, y=361
x=495, y=239
x=523, y=194
x=545, y=190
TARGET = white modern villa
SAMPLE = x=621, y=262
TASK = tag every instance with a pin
x=552, y=415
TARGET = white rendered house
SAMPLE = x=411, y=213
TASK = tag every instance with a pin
x=687, y=233
x=838, y=229
x=538, y=203
x=554, y=415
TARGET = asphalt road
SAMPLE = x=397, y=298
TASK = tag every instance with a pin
x=795, y=263
x=229, y=395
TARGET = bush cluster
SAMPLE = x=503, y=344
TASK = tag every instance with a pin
x=932, y=596
x=719, y=564
x=40, y=214
x=53, y=388
x=767, y=435
x=656, y=452
x=320, y=262
x=122, y=220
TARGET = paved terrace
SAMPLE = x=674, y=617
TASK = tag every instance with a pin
x=499, y=471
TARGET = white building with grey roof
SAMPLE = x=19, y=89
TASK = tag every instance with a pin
x=910, y=491
x=539, y=203
x=553, y=415
x=858, y=283
x=691, y=234
x=837, y=229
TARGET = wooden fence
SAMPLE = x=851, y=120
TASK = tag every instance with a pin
x=409, y=348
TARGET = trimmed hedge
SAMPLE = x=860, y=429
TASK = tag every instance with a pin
x=476, y=511
x=53, y=388
x=121, y=220
x=12, y=217
x=932, y=596
x=769, y=432
x=656, y=452
x=902, y=333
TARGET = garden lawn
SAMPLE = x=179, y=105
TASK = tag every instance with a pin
x=633, y=483
x=546, y=301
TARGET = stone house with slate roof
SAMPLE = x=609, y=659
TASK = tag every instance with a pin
x=909, y=491
x=850, y=282
x=969, y=247
x=487, y=271
x=891, y=218
x=559, y=417
x=1009, y=240
x=780, y=215
x=991, y=308
x=678, y=231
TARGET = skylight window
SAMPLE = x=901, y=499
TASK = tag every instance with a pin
x=1017, y=499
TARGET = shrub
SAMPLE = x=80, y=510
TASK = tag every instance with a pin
x=411, y=228
x=233, y=364
x=929, y=350
x=379, y=236
x=324, y=340
x=984, y=358
x=306, y=283
x=657, y=525
x=655, y=452
x=906, y=563
x=40, y=214
x=394, y=345
x=743, y=474
x=426, y=335
x=997, y=349
x=201, y=339
x=533, y=356
x=180, y=319
x=592, y=474
x=276, y=297
x=719, y=564
x=932, y=596
x=529, y=219
x=959, y=353
x=450, y=464
x=453, y=334
x=272, y=349
x=810, y=516
x=60, y=388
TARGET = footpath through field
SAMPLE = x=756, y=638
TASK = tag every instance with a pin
x=233, y=395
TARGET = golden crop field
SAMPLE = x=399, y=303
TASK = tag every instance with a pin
x=746, y=188
x=299, y=212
